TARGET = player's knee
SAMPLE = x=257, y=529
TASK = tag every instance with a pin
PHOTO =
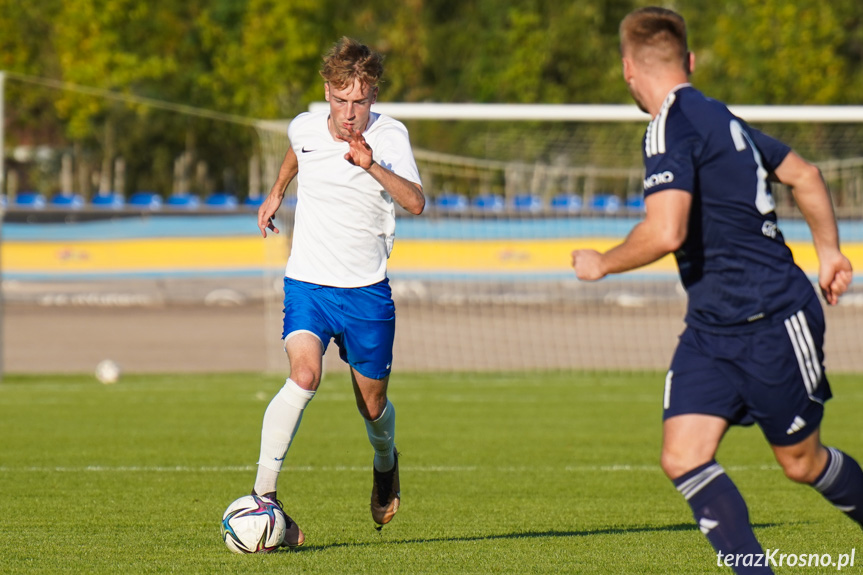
x=672, y=464
x=675, y=464
x=370, y=412
x=800, y=469
x=372, y=408
x=305, y=377
x=804, y=462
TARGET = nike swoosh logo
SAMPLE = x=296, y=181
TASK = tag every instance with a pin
x=305, y=151
x=282, y=458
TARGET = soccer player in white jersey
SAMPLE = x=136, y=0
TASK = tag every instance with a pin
x=351, y=164
x=752, y=350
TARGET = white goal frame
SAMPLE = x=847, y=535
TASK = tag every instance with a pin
x=595, y=112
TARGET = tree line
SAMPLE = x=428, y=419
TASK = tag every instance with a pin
x=260, y=59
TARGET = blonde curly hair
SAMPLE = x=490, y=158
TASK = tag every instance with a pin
x=349, y=60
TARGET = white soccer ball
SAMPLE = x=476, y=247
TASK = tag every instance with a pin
x=252, y=524
x=108, y=371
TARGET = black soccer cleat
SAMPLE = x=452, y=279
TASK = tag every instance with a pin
x=386, y=494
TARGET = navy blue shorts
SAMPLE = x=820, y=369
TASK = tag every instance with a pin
x=773, y=377
x=362, y=321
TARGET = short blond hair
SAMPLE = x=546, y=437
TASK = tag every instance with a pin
x=349, y=60
x=657, y=33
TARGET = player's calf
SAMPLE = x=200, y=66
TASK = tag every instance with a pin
x=720, y=512
x=841, y=483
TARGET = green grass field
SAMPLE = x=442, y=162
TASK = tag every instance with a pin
x=501, y=473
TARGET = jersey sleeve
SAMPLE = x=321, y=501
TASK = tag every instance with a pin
x=394, y=153
x=772, y=150
x=672, y=167
x=294, y=127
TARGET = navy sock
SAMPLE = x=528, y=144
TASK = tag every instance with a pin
x=841, y=483
x=721, y=513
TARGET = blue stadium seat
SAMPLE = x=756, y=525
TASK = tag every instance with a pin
x=221, y=201
x=566, y=203
x=146, y=200
x=451, y=203
x=527, y=203
x=488, y=203
x=635, y=202
x=605, y=203
x=184, y=202
x=290, y=202
x=254, y=203
x=33, y=200
x=68, y=201
x=111, y=201
x=2, y=201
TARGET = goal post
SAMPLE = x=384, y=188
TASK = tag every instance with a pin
x=595, y=112
x=483, y=279
x=606, y=137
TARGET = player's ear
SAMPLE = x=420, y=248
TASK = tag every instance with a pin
x=627, y=68
x=375, y=95
x=327, y=91
x=690, y=63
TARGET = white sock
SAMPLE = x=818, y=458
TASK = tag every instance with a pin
x=382, y=433
x=281, y=421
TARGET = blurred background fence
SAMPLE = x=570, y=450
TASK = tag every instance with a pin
x=175, y=291
x=179, y=278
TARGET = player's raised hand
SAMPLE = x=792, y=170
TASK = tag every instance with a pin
x=360, y=153
x=266, y=213
x=587, y=265
x=834, y=277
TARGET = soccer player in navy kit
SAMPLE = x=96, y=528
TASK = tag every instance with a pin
x=752, y=348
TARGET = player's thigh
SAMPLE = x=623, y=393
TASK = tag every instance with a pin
x=700, y=400
x=703, y=378
x=309, y=308
x=369, y=330
x=787, y=386
x=310, y=321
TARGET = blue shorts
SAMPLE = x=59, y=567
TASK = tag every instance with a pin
x=773, y=377
x=362, y=321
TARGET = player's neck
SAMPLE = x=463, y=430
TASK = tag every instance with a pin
x=661, y=89
x=332, y=129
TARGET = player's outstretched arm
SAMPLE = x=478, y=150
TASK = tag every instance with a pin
x=407, y=194
x=662, y=232
x=813, y=198
x=271, y=203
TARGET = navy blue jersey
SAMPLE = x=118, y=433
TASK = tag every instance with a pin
x=734, y=263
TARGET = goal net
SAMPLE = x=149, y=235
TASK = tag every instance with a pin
x=483, y=281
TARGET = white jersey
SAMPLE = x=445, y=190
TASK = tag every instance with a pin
x=344, y=225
